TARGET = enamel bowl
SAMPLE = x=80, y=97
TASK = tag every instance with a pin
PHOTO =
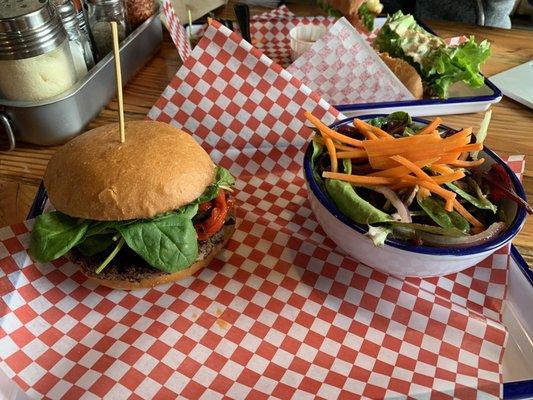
x=400, y=258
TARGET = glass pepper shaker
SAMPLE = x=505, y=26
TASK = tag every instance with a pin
x=99, y=15
x=80, y=47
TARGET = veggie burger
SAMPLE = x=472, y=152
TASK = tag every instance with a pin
x=151, y=210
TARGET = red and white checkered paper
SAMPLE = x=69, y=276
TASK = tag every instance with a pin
x=342, y=66
x=345, y=69
x=177, y=31
x=280, y=313
x=270, y=33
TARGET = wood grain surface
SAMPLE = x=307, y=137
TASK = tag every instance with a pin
x=511, y=129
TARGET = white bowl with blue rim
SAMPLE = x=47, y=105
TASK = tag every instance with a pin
x=401, y=258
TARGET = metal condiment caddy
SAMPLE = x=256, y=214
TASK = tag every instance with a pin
x=55, y=120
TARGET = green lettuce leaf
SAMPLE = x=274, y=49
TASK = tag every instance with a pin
x=447, y=219
x=366, y=17
x=481, y=201
x=348, y=201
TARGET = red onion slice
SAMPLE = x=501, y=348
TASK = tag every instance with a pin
x=397, y=203
x=462, y=241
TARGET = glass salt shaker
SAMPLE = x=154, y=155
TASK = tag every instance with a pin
x=80, y=47
x=99, y=15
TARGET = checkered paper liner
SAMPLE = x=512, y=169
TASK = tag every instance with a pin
x=345, y=69
x=280, y=12
x=281, y=313
x=178, y=34
x=271, y=35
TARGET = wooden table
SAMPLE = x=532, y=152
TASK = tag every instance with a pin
x=511, y=129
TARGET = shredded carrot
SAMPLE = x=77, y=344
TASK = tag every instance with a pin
x=449, y=158
x=412, y=148
x=359, y=179
x=356, y=153
x=445, y=194
x=364, y=130
x=331, y=133
x=441, y=169
x=431, y=127
x=469, y=217
x=397, y=172
x=338, y=146
x=463, y=133
x=374, y=129
x=440, y=179
x=332, y=153
x=467, y=164
x=415, y=169
x=470, y=147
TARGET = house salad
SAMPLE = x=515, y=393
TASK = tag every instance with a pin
x=419, y=184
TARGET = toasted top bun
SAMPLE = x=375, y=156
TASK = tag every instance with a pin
x=159, y=168
x=406, y=73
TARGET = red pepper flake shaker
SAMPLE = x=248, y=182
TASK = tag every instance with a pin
x=139, y=11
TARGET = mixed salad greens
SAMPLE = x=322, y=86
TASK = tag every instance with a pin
x=168, y=242
x=438, y=64
x=415, y=183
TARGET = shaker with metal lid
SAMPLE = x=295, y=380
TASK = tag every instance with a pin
x=80, y=47
x=35, y=59
x=99, y=15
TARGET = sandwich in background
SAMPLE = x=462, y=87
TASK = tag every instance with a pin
x=439, y=65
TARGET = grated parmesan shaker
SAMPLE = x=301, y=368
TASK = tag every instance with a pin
x=35, y=59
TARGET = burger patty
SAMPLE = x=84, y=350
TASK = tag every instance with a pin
x=128, y=266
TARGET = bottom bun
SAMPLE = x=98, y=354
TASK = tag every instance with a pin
x=128, y=271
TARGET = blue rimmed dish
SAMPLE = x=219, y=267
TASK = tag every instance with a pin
x=401, y=258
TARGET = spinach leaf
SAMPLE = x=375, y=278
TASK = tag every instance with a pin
x=223, y=180
x=106, y=227
x=168, y=244
x=413, y=226
x=396, y=123
x=480, y=201
x=378, y=121
x=400, y=116
x=435, y=210
x=355, y=207
x=95, y=244
x=54, y=234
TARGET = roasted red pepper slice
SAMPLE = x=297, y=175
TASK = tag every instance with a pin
x=216, y=220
